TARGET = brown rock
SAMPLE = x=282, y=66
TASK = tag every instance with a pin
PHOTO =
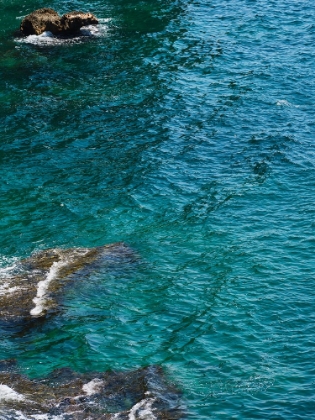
x=37, y=287
x=73, y=21
x=47, y=19
x=41, y=20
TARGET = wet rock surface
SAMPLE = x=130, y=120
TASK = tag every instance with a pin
x=35, y=289
x=46, y=19
x=140, y=394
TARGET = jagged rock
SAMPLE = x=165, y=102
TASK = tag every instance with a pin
x=47, y=19
x=36, y=288
x=140, y=394
x=73, y=21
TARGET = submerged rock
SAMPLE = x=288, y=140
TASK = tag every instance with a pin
x=36, y=289
x=139, y=394
x=46, y=19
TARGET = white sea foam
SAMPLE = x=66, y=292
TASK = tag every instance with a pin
x=8, y=394
x=143, y=410
x=6, y=289
x=42, y=288
x=44, y=38
x=105, y=20
x=18, y=415
x=93, y=387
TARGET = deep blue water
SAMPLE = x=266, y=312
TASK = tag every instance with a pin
x=185, y=129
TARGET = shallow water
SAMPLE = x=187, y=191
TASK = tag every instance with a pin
x=185, y=129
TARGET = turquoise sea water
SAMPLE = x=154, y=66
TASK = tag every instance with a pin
x=185, y=129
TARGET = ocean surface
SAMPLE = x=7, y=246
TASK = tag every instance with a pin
x=185, y=129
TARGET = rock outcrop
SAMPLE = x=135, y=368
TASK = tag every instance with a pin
x=47, y=19
x=140, y=394
x=35, y=289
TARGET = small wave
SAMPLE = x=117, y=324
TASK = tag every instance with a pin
x=283, y=102
x=8, y=266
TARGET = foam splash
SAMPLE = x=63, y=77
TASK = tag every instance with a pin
x=44, y=38
x=47, y=38
x=93, y=387
x=42, y=289
x=143, y=410
x=8, y=394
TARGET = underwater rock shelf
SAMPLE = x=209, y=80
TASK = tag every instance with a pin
x=36, y=287
x=46, y=19
x=36, y=290
x=139, y=394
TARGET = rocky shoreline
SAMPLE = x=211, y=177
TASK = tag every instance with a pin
x=140, y=394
